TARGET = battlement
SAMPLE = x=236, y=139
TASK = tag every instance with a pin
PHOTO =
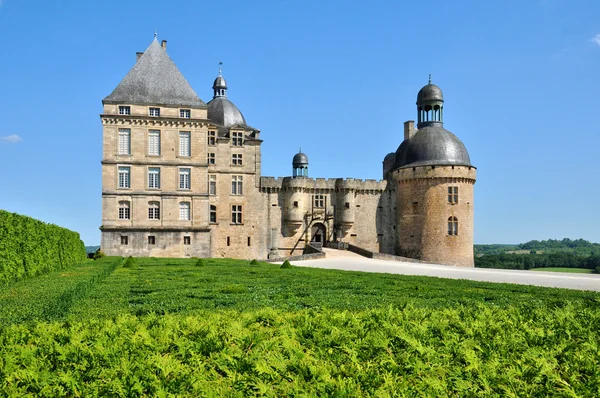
x=324, y=183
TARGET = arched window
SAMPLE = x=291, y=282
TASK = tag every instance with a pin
x=452, y=226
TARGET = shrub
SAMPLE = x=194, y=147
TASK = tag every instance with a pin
x=98, y=254
x=29, y=247
x=234, y=289
x=201, y=263
x=254, y=262
x=130, y=262
x=286, y=264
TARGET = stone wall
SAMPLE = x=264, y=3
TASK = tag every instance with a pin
x=424, y=210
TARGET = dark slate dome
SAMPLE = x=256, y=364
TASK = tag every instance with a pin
x=300, y=159
x=432, y=145
x=219, y=82
x=430, y=92
x=224, y=113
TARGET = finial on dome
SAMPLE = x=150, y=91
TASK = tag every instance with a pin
x=430, y=78
x=300, y=149
x=220, y=63
x=155, y=34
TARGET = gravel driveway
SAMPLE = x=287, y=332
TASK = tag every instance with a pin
x=338, y=259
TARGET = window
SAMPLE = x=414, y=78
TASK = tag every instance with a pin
x=184, y=178
x=124, y=110
x=236, y=214
x=347, y=205
x=248, y=241
x=153, y=211
x=213, y=214
x=185, y=113
x=237, y=139
x=319, y=201
x=236, y=185
x=154, y=177
x=154, y=143
x=212, y=138
x=452, y=226
x=228, y=241
x=124, y=210
x=154, y=111
x=124, y=240
x=151, y=240
x=124, y=179
x=452, y=194
x=124, y=142
x=211, y=158
x=295, y=203
x=236, y=159
x=187, y=240
x=212, y=184
x=184, y=210
x=184, y=143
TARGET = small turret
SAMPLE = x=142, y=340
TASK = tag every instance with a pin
x=300, y=165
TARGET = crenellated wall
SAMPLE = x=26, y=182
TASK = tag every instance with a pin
x=359, y=212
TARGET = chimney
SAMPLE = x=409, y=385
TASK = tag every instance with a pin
x=138, y=55
x=163, y=44
x=409, y=129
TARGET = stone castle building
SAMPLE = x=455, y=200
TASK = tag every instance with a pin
x=181, y=177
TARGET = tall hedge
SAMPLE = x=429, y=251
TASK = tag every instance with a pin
x=30, y=247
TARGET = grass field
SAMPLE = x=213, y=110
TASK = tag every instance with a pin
x=230, y=328
x=569, y=270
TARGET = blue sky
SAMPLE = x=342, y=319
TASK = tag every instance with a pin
x=339, y=78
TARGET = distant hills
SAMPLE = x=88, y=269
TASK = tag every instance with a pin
x=579, y=247
x=91, y=249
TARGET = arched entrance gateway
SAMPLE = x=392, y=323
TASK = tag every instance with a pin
x=318, y=235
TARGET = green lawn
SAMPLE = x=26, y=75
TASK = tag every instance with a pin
x=570, y=270
x=167, y=327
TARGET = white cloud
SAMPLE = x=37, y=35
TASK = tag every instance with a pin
x=596, y=39
x=11, y=139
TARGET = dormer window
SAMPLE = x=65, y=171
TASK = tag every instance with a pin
x=237, y=139
x=185, y=113
x=154, y=112
x=124, y=110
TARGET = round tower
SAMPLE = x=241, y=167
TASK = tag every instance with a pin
x=435, y=180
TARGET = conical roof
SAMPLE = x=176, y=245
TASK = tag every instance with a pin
x=155, y=80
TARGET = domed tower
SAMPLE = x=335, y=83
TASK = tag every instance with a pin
x=435, y=180
x=300, y=165
x=222, y=111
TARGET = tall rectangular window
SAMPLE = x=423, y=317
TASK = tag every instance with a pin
x=184, y=210
x=154, y=143
x=236, y=159
x=124, y=210
x=124, y=178
x=212, y=217
x=212, y=184
x=154, y=111
x=186, y=113
x=153, y=211
x=212, y=138
x=154, y=177
x=211, y=158
x=124, y=142
x=184, y=143
x=452, y=194
x=124, y=110
x=319, y=201
x=237, y=139
x=237, y=185
x=184, y=178
x=236, y=214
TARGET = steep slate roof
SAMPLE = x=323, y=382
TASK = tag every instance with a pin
x=155, y=80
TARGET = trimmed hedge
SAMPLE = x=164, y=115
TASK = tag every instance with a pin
x=29, y=247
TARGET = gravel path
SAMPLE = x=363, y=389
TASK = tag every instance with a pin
x=338, y=259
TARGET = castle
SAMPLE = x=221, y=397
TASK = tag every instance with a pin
x=182, y=178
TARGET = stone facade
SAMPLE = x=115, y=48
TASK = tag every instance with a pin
x=181, y=178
